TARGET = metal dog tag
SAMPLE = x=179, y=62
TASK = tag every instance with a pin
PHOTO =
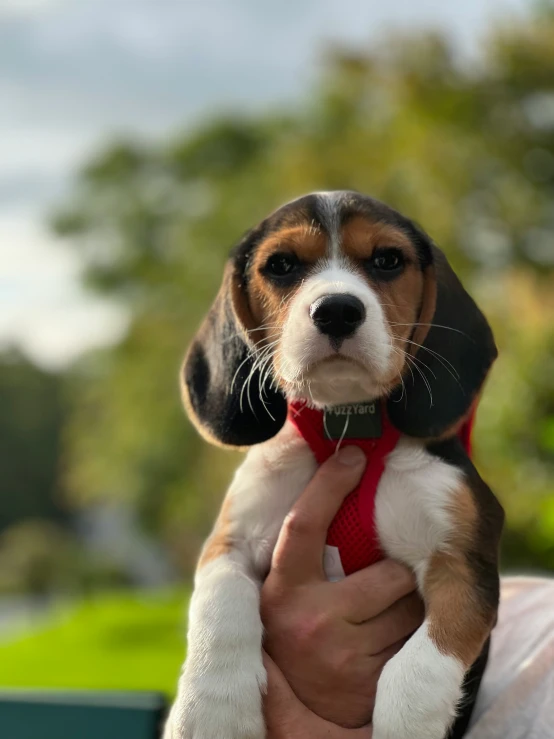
x=356, y=421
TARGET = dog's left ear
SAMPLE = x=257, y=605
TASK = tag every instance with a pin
x=449, y=367
x=227, y=400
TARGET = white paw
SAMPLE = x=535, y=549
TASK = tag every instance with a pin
x=220, y=703
x=418, y=692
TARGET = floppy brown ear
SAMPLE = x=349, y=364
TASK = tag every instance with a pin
x=449, y=369
x=226, y=406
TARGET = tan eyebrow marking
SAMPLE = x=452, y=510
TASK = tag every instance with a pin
x=307, y=241
x=360, y=236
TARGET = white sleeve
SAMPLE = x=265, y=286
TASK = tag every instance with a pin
x=516, y=700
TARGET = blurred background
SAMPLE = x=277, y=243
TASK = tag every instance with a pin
x=139, y=139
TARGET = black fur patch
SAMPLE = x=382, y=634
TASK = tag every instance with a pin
x=231, y=416
x=470, y=690
x=482, y=556
x=451, y=366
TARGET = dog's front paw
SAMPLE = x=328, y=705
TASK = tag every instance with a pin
x=219, y=703
x=418, y=692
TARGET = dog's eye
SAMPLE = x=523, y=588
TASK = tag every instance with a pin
x=386, y=262
x=282, y=265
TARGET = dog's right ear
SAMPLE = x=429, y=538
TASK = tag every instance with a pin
x=222, y=392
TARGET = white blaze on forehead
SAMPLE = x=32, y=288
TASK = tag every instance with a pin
x=328, y=206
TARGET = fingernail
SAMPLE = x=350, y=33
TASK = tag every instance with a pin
x=351, y=456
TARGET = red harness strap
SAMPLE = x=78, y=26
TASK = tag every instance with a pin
x=352, y=531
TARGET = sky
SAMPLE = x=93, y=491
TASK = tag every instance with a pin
x=75, y=73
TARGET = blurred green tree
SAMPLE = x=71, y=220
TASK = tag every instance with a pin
x=31, y=422
x=468, y=151
x=38, y=557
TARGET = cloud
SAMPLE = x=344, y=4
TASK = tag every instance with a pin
x=41, y=307
x=144, y=64
x=147, y=64
x=26, y=7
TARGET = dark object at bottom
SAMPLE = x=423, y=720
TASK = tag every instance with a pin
x=38, y=714
x=472, y=683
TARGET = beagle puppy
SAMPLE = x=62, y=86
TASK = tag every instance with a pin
x=338, y=301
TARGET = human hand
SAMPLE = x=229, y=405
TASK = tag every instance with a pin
x=288, y=718
x=331, y=640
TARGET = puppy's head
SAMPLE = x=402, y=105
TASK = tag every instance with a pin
x=336, y=298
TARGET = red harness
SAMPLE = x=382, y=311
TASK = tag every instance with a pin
x=352, y=531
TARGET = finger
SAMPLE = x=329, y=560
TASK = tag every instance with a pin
x=369, y=592
x=279, y=699
x=383, y=657
x=396, y=623
x=376, y=662
x=287, y=718
x=366, y=732
x=298, y=555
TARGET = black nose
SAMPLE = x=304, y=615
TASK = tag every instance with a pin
x=337, y=316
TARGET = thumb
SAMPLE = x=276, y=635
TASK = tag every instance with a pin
x=298, y=555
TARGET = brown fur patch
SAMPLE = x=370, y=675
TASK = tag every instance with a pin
x=360, y=236
x=427, y=309
x=269, y=303
x=400, y=301
x=219, y=541
x=459, y=622
x=465, y=514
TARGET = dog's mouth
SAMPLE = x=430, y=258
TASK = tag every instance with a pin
x=334, y=380
x=339, y=359
x=337, y=368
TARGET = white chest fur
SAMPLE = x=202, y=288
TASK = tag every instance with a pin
x=413, y=508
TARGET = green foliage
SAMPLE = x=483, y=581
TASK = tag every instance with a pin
x=512, y=440
x=31, y=420
x=469, y=153
x=111, y=642
x=38, y=557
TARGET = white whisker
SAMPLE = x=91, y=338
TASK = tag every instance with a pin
x=424, y=378
x=433, y=325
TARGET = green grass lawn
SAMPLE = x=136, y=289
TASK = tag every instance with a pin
x=123, y=641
